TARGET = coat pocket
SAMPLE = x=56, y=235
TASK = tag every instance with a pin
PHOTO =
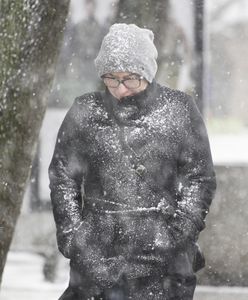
x=94, y=236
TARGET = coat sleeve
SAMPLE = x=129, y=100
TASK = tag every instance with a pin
x=66, y=172
x=197, y=181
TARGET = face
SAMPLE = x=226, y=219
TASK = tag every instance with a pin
x=123, y=90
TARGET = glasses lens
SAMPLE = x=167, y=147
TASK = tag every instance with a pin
x=110, y=82
x=132, y=83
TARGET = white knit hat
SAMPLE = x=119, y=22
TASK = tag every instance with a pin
x=128, y=48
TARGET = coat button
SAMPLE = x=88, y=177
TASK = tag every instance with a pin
x=140, y=170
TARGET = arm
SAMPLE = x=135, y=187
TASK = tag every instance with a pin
x=197, y=183
x=196, y=172
x=66, y=173
x=77, y=236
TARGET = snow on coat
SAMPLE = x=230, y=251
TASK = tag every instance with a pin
x=131, y=183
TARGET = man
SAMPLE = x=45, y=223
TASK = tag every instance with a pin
x=131, y=180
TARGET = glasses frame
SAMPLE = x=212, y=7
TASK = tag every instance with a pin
x=119, y=81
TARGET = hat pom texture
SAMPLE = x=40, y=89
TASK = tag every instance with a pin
x=128, y=48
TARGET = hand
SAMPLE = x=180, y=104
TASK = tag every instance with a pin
x=175, y=234
x=91, y=246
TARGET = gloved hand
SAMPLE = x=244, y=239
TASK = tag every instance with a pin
x=175, y=234
x=93, y=276
x=91, y=251
x=105, y=272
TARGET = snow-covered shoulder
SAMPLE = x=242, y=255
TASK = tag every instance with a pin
x=87, y=109
x=177, y=96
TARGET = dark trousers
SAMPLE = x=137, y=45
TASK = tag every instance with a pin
x=172, y=287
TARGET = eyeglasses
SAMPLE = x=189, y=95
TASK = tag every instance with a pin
x=129, y=82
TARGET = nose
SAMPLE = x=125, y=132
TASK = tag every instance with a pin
x=122, y=87
x=122, y=91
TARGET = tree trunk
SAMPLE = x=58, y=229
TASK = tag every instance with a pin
x=199, y=53
x=30, y=32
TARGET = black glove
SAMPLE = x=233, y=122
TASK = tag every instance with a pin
x=175, y=234
x=91, y=251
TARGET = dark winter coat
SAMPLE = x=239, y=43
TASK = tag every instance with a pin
x=131, y=183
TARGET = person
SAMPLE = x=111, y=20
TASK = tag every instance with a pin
x=131, y=180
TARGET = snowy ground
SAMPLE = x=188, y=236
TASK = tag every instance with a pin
x=23, y=280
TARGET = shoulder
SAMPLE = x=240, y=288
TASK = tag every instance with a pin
x=87, y=107
x=175, y=96
x=88, y=100
x=178, y=100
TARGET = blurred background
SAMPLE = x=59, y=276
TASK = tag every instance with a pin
x=203, y=47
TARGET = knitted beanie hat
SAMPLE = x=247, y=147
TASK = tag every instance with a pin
x=128, y=48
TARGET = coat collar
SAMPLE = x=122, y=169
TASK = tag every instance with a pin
x=131, y=107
